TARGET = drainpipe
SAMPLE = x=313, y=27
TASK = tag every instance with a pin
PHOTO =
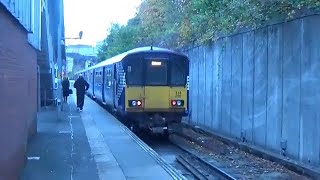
x=38, y=89
x=59, y=63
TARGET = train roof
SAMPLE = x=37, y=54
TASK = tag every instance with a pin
x=119, y=57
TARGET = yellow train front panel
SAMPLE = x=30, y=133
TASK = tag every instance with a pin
x=134, y=95
x=155, y=99
x=179, y=94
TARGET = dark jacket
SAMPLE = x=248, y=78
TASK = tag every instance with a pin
x=81, y=85
x=65, y=85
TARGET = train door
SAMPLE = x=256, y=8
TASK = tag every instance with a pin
x=98, y=83
x=93, y=81
x=115, y=86
x=156, y=90
x=103, y=83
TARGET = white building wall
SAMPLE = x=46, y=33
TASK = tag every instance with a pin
x=83, y=50
x=69, y=64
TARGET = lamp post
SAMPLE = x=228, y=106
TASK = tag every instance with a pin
x=80, y=36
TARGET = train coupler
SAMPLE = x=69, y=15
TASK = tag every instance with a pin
x=158, y=130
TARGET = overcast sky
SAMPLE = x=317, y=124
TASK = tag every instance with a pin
x=94, y=17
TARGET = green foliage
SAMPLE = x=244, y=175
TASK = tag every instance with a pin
x=212, y=16
x=121, y=38
x=175, y=23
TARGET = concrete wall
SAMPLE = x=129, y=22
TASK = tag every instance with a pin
x=18, y=94
x=262, y=85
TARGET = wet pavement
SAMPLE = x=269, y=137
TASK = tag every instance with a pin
x=91, y=145
x=60, y=149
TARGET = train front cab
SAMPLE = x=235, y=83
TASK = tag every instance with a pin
x=156, y=91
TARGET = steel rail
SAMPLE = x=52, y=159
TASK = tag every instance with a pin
x=209, y=165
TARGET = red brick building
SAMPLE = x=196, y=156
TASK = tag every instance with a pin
x=24, y=44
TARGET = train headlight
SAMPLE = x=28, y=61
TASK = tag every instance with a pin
x=135, y=103
x=177, y=102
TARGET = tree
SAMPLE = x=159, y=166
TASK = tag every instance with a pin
x=120, y=39
x=176, y=23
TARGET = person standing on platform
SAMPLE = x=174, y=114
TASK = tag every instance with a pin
x=65, y=88
x=81, y=86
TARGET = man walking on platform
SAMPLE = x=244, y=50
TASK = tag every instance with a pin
x=82, y=86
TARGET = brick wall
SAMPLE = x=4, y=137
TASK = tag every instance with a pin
x=18, y=106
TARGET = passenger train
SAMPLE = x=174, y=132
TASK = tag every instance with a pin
x=148, y=87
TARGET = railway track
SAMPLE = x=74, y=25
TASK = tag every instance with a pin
x=202, y=169
x=190, y=165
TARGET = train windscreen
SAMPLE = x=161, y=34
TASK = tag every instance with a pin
x=156, y=72
x=178, y=70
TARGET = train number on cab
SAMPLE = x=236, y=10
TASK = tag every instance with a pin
x=178, y=94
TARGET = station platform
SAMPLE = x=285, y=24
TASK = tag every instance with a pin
x=91, y=144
